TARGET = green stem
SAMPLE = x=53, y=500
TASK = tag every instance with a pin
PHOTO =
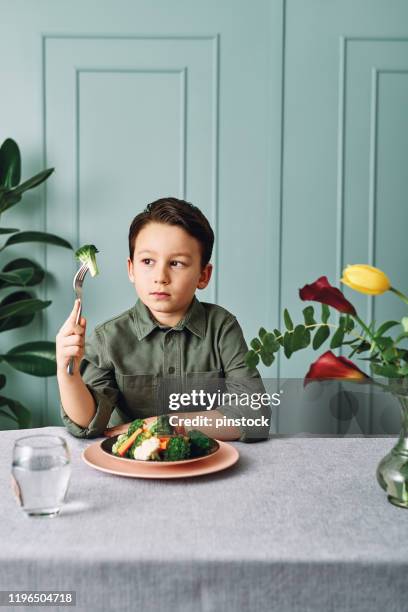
x=371, y=336
x=403, y=297
x=321, y=325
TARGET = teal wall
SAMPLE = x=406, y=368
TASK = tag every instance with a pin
x=284, y=121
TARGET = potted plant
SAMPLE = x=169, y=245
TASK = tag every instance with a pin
x=386, y=355
x=17, y=276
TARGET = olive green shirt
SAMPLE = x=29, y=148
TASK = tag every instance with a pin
x=128, y=359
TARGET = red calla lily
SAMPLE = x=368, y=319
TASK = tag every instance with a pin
x=330, y=366
x=322, y=291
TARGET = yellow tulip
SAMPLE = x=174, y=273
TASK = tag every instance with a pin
x=366, y=279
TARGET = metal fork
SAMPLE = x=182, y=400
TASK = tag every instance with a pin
x=77, y=284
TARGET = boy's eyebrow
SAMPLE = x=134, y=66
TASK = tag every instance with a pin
x=171, y=255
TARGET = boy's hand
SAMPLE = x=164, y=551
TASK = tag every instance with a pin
x=115, y=431
x=70, y=341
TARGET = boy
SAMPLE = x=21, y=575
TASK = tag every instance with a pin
x=167, y=336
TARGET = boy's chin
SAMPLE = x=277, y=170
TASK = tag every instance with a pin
x=166, y=306
x=160, y=305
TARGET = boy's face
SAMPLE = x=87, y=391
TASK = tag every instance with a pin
x=166, y=270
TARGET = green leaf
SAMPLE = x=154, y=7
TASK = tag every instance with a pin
x=361, y=348
x=22, y=263
x=251, y=359
x=270, y=343
x=8, y=230
x=389, y=371
x=385, y=327
x=404, y=323
x=14, y=321
x=255, y=344
x=403, y=354
x=15, y=305
x=325, y=313
x=390, y=353
x=288, y=320
x=34, y=181
x=267, y=357
x=287, y=344
x=18, y=412
x=308, y=315
x=8, y=199
x=35, y=358
x=349, y=323
x=10, y=163
x=18, y=277
x=298, y=335
x=261, y=333
x=337, y=339
x=37, y=237
x=320, y=336
x=403, y=370
x=385, y=342
x=278, y=336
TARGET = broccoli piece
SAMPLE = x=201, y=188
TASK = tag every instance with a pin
x=121, y=438
x=87, y=254
x=177, y=448
x=136, y=424
x=200, y=443
x=161, y=426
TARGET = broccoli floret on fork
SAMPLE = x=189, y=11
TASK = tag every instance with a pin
x=87, y=255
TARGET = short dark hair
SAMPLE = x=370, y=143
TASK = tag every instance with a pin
x=173, y=211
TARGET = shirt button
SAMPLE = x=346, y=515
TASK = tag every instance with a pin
x=171, y=370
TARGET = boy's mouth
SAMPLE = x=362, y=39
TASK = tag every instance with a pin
x=160, y=294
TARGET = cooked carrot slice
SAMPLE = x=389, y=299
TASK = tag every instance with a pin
x=128, y=443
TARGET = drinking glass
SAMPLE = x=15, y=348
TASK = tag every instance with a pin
x=41, y=472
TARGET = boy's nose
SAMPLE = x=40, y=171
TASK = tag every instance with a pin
x=161, y=276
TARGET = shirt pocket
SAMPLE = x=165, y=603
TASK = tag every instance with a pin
x=139, y=392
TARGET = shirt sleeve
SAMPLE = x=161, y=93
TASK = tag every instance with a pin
x=243, y=384
x=99, y=377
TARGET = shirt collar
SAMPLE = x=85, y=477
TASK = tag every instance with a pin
x=194, y=320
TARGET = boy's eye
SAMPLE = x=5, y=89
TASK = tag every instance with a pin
x=147, y=261
x=177, y=264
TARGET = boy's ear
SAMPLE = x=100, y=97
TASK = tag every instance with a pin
x=130, y=270
x=205, y=276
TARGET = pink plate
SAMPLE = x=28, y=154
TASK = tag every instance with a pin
x=224, y=458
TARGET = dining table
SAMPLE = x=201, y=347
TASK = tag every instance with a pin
x=298, y=523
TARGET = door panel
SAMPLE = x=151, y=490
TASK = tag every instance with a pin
x=283, y=120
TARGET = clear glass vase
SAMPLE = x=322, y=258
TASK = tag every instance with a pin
x=392, y=471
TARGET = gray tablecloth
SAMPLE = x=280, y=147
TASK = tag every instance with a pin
x=298, y=524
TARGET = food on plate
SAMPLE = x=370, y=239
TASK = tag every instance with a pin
x=126, y=444
x=178, y=448
x=161, y=426
x=136, y=424
x=147, y=449
x=200, y=444
x=159, y=441
x=87, y=254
